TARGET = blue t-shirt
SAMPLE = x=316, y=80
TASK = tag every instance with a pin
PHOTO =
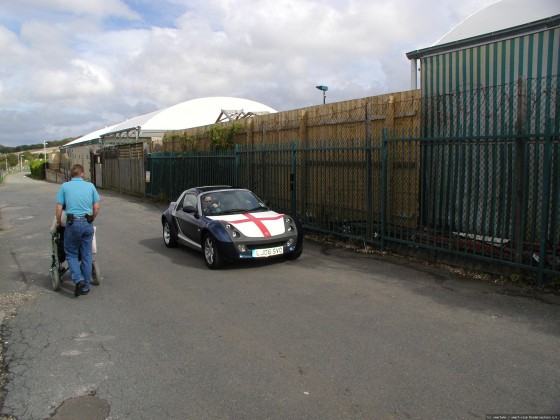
x=78, y=196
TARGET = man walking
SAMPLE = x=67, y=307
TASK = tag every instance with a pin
x=81, y=200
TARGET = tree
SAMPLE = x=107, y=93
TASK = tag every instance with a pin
x=28, y=156
x=12, y=160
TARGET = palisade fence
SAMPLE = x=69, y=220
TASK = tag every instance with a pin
x=490, y=191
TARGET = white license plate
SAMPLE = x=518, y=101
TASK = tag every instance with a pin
x=268, y=252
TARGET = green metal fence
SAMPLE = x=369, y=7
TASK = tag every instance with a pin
x=492, y=198
x=172, y=173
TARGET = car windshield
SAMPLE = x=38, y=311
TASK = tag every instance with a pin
x=232, y=201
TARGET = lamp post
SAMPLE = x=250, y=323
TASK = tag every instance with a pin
x=324, y=89
x=45, y=150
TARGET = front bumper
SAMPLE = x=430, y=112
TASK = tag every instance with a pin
x=242, y=249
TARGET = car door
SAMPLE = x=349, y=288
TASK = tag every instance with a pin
x=189, y=223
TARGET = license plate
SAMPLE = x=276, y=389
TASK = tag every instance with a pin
x=268, y=252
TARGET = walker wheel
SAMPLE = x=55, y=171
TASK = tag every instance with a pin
x=55, y=278
x=95, y=274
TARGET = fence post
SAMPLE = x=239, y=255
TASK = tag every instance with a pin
x=263, y=161
x=520, y=170
x=249, y=128
x=293, y=178
x=369, y=177
x=383, y=187
x=303, y=175
x=236, y=164
x=547, y=171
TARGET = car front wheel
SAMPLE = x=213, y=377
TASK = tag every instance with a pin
x=212, y=256
x=168, y=238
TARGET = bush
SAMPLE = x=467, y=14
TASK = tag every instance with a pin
x=179, y=142
x=37, y=168
x=223, y=137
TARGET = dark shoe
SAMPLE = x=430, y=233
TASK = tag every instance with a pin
x=85, y=292
x=78, y=290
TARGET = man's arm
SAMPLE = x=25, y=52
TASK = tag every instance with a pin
x=95, y=209
x=58, y=213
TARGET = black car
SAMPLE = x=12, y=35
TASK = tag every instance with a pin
x=230, y=224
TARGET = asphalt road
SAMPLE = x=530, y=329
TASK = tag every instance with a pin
x=336, y=334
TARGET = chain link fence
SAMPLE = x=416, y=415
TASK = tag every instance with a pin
x=524, y=106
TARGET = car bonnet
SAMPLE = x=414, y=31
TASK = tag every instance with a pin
x=257, y=224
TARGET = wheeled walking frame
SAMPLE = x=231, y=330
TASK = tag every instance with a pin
x=58, y=268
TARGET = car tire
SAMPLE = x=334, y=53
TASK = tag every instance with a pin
x=212, y=256
x=95, y=274
x=168, y=238
x=299, y=244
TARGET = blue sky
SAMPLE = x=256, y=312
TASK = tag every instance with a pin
x=72, y=67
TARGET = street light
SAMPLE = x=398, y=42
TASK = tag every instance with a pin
x=45, y=150
x=324, y=89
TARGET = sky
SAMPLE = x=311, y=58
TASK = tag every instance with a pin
x=71, y=67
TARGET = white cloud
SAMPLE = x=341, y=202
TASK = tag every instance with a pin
x=108, y=60
x=79, y=81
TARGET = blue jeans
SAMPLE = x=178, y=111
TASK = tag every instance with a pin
x=78, y=238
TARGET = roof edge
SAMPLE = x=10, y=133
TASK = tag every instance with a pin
x=542, y=24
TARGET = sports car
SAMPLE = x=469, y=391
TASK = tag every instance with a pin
x=230, y=224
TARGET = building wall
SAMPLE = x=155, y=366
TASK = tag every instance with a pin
x=81, y=155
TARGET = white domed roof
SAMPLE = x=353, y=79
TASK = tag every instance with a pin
x=199, y=112
x=501, y=15
x=193, y=113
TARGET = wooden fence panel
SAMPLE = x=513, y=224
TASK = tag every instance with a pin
x=123, y=168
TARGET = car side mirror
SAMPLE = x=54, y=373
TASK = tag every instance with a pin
x=189, y=209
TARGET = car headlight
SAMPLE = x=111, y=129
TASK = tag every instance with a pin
x=234, y=233
x=290, y=224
